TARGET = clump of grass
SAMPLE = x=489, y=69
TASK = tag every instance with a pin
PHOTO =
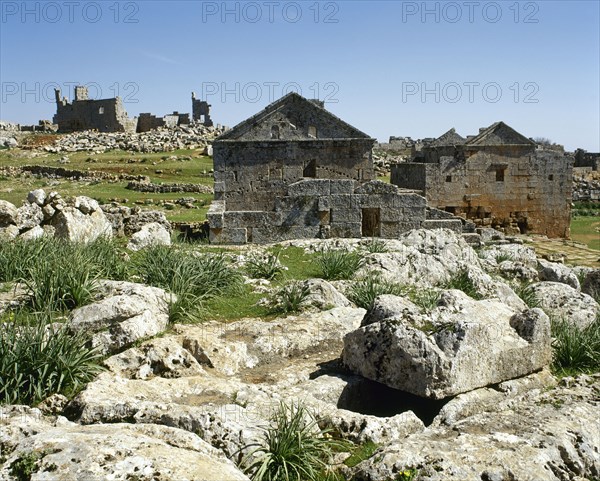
x=38, y=359
x=575, y=349
x=426, y=299
x=503, y=256
x=336, y=264
x=293, y=449
x=290, y=297
x=60, y=284
x=527, y=295
x=376, y=246
x=16, y=256
x=264, y=267
x=192, y=279
x=364, y=291
x=460, y=280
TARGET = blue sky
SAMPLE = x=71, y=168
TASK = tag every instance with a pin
x=389, y=68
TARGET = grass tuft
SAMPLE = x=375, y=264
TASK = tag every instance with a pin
x=264, y=266
x=290, y=297
x=38, y=359
x=293, y=449
x=576, y=350
x=364, y=291
x=336, y=264
x=460, y=280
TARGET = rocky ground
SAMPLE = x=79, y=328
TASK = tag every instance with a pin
x=458, y=388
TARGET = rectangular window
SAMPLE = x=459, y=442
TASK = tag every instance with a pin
x=500, y=175
x=448, y=178
x=101, y=110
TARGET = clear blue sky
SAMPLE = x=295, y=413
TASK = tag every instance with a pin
x=389, y=68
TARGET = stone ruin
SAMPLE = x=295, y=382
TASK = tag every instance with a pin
x=498, y=178
x=109, y=115
x=104, y=115
x=294, y=170
x=201, y=111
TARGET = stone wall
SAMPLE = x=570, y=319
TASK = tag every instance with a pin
x=515, y=188
x=587, y=159
x=250, y=174
x=323, y=208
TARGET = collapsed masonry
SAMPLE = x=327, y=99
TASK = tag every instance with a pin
x=498, y=178
x=294, y=170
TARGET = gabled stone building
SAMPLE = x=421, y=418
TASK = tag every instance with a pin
x=295, y=170
x=498, y=178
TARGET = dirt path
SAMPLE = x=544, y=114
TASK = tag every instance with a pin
x=574, y=253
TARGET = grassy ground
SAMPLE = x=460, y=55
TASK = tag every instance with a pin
x=587, y=231
x=190, y=167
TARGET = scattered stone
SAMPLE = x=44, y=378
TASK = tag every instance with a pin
x=562, y=302
x=8, y=213
x=556, y=272
x=151, y=234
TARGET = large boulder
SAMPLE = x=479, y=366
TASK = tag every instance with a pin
x=591, y=284
x=557, y=272
x=323, y=295
x=126, y=313
x=562, y=302
x=461, y=345
x=73, y=225
x=8, y=213
x=151, y=234
x=55, y=449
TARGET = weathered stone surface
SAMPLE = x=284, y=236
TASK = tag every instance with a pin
x=550, y=435
x=75, y=226
x=557, y=272
x=69, y=451
x=28, y=216
x=9, y=232
x=561, y=301
x=149, y=235
x=127, y=312
x=34, y=233
x=8, y=213
x=323, y=295
x=37, y=196
x=85, y=204
x=591, y=284
x=461, y=345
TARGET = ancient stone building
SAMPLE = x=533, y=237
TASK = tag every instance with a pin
x=294, y=170
x=148, y=121
x=498, y=178
x=105, y=115
x=201, y=111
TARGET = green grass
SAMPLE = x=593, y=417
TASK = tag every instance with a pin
x=364, y=291
x=290, y=297
x=292, y=449
x=38, y=359
x=361, y=453
x=583, y=229
x=336, y=264
x=575, y=350
x=265, y=266
x=460, y=280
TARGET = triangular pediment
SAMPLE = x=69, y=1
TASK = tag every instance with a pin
x=499, y=134
x=293, y=117
x=449, y=138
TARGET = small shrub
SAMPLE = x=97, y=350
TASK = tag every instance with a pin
x=336, y=264
x=264, y=267
x=293, y=449
x=461, y=281
x=26, y=465
x=364, y=291
x=37, y=360
x=527, y=295
x=376, y=246
x=290, y=297
x=575, y=349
